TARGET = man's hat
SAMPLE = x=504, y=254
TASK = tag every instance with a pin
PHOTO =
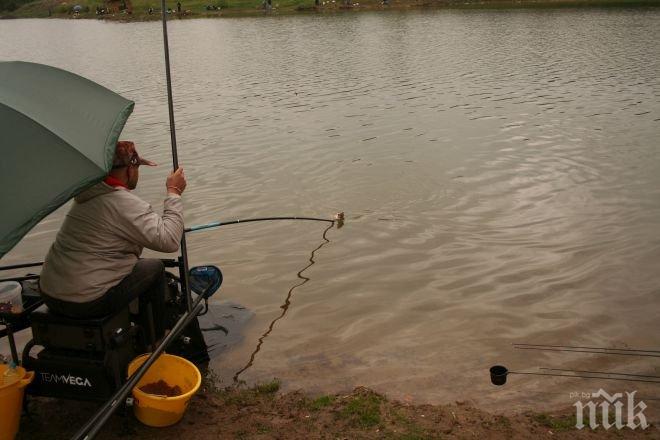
x=126, y=154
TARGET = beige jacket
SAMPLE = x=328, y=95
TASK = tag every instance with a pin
x=101, y=239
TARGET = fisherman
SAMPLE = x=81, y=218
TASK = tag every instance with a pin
x=93, y=267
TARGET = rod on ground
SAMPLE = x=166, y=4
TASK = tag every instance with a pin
x=611, y=373
x=499, y=373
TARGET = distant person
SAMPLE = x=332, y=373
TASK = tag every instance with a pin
x=178, y=7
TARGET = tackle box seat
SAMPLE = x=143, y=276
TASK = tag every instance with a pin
x=53, y=330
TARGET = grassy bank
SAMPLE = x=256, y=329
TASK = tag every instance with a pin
x=138, y=10
x=262, y=412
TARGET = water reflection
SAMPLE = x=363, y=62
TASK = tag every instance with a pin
x=287, y=301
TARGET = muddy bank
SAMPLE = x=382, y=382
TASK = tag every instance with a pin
x=263, y=413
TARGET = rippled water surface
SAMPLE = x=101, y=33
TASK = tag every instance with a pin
x=499, y=171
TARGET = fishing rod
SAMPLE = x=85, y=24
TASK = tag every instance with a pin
x=185, y=282
x=601, y=372
x=24, y=278
x=22, y=265
x=570, y=350
x=636, y=350
x=338, y=220
x=499, y=373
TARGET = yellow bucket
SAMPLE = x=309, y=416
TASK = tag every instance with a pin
x=159, y=411
x=11, y=400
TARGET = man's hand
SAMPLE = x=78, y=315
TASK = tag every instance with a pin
x=176, y=182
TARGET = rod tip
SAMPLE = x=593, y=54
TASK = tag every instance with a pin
x=339, y=218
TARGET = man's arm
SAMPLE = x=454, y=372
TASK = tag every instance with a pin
x=148, y=229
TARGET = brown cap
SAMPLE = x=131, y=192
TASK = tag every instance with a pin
x=126, y=154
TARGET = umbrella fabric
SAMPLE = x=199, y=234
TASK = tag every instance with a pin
x=58, y=133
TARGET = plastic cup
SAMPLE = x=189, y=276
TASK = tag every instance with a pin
x=11, y=300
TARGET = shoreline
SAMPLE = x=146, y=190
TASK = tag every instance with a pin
x=261, y=412
x=40, y=8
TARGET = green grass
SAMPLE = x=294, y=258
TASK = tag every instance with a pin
x=503, y=422
x=363, y=410
x=568, y=422
x=240, y=396
x=565, y=423
x=412, y=430
x=263, y=429
x=269, y=387
x=212, y=382
x=321, y=402
x=412, y=436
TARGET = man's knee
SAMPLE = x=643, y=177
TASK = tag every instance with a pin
x=146, y=272
x=151, y=263
x=149, y=266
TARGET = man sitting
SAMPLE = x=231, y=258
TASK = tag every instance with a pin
x=93, y=267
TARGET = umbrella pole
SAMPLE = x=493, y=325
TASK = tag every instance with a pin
x=183, y=261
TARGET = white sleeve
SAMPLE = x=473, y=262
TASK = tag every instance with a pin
x=145, y=227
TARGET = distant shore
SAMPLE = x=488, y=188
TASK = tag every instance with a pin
x=149, y=10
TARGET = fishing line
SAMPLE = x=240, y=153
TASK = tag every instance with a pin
x=589, y=351
x=285, y=306
x=578, y=376
x=588, y=348
x=600, y=372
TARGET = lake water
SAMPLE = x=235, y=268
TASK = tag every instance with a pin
x=499, y=171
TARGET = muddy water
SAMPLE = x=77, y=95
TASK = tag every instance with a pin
x=499, y=171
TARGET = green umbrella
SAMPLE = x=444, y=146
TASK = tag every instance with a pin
x=58, y=133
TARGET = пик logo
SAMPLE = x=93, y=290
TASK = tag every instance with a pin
x=608, y=403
